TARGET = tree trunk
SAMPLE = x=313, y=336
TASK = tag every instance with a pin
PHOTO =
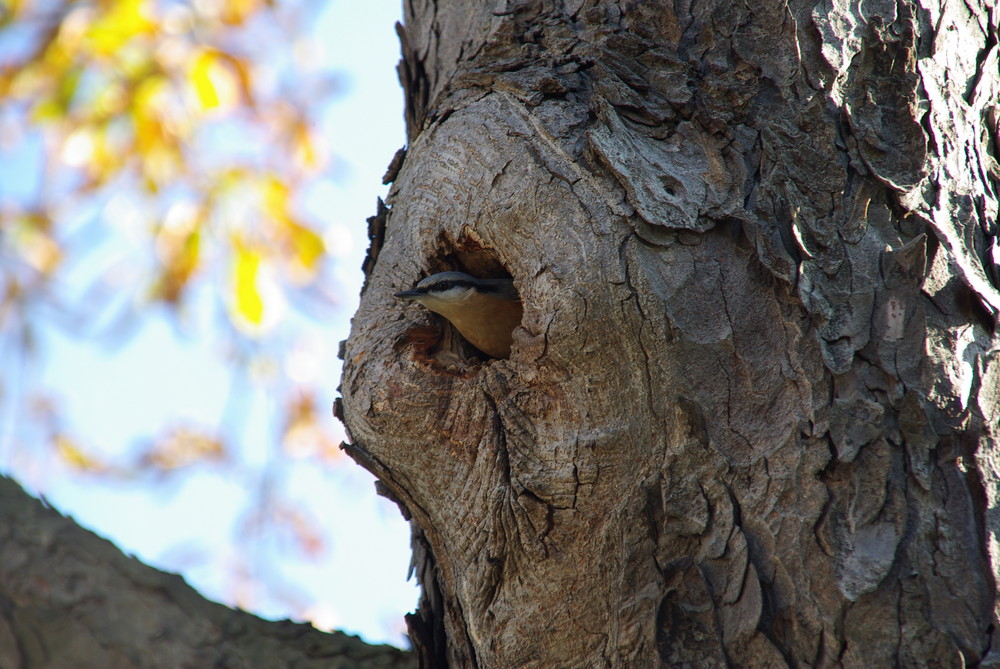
x=751, y=413
x=71, y=600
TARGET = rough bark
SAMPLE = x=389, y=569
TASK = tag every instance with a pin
x=71, y=599
x=751, y=414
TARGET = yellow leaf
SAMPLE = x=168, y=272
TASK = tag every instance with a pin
x=183, y=447
x=213, y=80
x=126, y=20
x=187, y=260
x=75, y=456
x=178, y=248
x=308, y=249
x=46, y=110
x=305, y=151
x=110, y=100
x=54, y=104
x=248, y=302
x=157, y=143
x=149, y=98
x=301, y=246
x=255, y=299
x=275, y=199
x=238, y=11
x=201, y=81
x=105, y=159
x=9, y=10
x=35, y=245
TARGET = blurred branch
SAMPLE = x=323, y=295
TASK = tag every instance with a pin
x=70, y=597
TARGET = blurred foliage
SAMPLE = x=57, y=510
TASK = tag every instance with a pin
x=177, y=126
x=127, y=94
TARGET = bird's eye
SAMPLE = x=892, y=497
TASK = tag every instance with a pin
x=443, y=286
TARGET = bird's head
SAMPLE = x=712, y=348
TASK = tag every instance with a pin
x=454, y=289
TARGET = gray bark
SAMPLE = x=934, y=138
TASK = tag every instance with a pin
x=751, y=413
x=70, y=599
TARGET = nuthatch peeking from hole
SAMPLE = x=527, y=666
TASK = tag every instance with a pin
x=485, y=311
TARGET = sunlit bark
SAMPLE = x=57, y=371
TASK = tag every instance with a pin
x=750, y=417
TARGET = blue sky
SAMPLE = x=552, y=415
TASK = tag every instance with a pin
x=115, y=395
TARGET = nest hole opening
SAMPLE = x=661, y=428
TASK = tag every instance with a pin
x=443, y=345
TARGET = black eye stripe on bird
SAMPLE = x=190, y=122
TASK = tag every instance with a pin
x=485, y=312
x=442, y=286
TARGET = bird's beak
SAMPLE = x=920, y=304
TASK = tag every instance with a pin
x=408, y=294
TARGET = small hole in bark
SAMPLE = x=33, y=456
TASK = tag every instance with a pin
x=441, y=343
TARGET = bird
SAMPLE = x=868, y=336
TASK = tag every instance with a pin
x=484, y=311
